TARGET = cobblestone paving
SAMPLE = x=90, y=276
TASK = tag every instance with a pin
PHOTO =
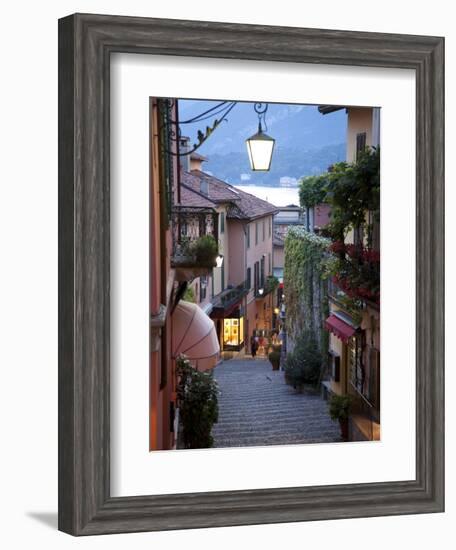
x=256, y=407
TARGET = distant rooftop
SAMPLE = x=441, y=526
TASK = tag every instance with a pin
x=242, y=205
x=217, y=190
x=189, y=197
x=290, y=207
x=289, y=215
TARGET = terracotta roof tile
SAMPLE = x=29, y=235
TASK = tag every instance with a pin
x=252, y=207
x=218, y=191
x=192, y=198
x=243, y=205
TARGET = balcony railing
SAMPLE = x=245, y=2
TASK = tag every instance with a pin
x=191, y=226
x=335, y=293
x=365, y=418
x=229, y=297
x=270, y=284
x=358, y=271
x=353, y=306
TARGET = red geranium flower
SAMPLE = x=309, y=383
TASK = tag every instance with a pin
x=337, y=246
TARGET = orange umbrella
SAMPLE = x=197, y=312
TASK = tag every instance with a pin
x=194, y=335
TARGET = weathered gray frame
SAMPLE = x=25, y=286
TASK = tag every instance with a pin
x=85, y=45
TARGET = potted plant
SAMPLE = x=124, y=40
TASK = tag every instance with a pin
x=339, y=409
x=274, y=359
x=303, y=364
x=205, y=250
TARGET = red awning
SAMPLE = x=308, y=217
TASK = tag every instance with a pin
x=339, y=328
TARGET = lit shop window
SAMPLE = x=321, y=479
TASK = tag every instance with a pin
x=233, y=332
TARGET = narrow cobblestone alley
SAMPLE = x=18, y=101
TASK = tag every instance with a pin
x=257, y=407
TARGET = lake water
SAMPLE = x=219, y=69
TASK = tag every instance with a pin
x=278, y=196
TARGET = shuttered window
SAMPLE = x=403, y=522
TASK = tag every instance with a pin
x=360, y=143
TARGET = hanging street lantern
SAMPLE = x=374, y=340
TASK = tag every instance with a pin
x=260, y=146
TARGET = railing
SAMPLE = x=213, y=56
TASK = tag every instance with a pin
x=230, y=296
x=188, y=225
x=358, y=271
x=364, y=417
x=335, y=293
x=270, y=284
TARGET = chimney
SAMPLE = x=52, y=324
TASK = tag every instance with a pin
x=184, y=147
x=196, y=161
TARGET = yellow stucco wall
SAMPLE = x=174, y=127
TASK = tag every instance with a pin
x=359, y=121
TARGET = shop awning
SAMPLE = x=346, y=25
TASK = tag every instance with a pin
x=339, y=328
x=194, y=335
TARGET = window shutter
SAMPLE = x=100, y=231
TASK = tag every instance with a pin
x=360, y=143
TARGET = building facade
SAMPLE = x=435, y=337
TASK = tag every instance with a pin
x=354, y=346
x=285, y=217
x=177, y=219
x=239, y=295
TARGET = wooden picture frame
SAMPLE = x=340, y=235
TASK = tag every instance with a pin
x=85, y=45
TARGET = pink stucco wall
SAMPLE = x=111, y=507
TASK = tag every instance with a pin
x=256, y=250
x=236, y=272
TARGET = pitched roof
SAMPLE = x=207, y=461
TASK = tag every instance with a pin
x=252, y=207
x=188, y=197
x=218, y=191
x=244, y=206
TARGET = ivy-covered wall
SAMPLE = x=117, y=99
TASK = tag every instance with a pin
x=306, y=286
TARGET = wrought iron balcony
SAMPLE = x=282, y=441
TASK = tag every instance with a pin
x=194, y=237
x=335, y=293
x=364, y=416
x=228, y=299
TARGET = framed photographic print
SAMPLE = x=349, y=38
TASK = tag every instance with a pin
x=250, y=274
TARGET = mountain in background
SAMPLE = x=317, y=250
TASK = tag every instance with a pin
x=286, y=163
x=307, y=142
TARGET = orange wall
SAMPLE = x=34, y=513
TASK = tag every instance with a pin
x=161, y=366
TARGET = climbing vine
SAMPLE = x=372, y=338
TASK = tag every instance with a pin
x=312, y=190
x=305, y=284
x=352, y=190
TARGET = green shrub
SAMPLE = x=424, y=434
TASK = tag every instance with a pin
x=339, y=407
x=197, y=394
x=205, y=249
x=303, y=364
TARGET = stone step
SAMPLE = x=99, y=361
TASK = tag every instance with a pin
x=257, y=407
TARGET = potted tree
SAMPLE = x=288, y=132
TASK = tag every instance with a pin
x=274, y=359
x=339, y=409
x=303, y=364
